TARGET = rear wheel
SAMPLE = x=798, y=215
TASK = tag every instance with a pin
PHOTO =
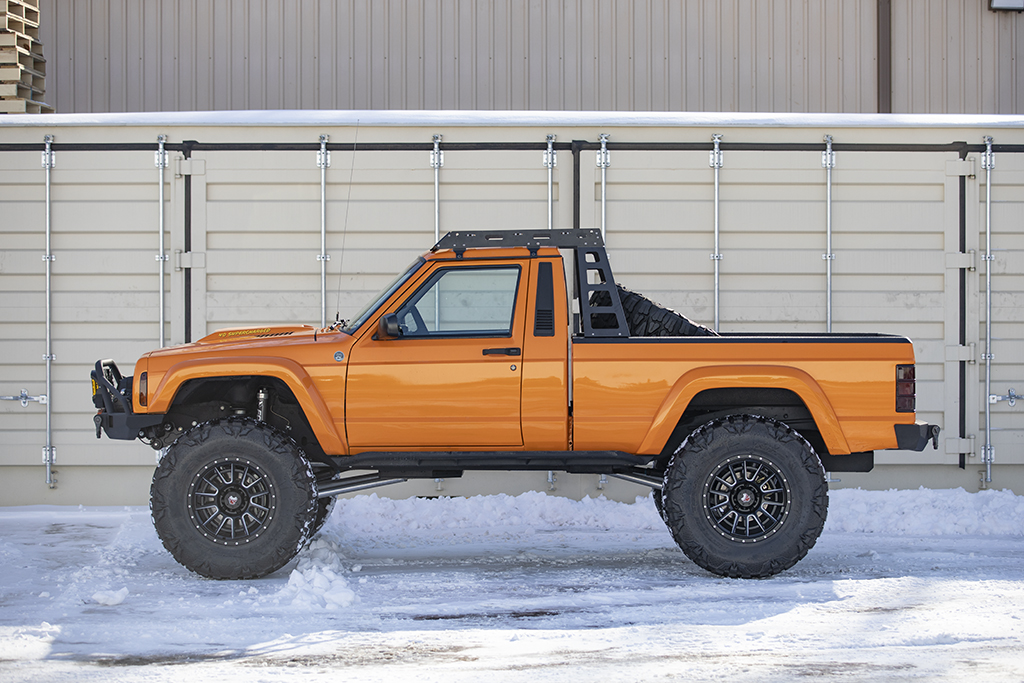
x=233, y=499
x=745, y=497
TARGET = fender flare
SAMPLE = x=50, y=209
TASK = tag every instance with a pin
x=744, y=377
x=288, y=371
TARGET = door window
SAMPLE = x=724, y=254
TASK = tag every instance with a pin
x=463, y=302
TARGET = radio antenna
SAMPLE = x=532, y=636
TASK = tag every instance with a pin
x=344, y=225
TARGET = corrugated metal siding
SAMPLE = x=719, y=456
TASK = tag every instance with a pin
x=693, y=55
x=956, y=56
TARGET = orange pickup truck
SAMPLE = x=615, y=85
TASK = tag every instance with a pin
x=479, y=357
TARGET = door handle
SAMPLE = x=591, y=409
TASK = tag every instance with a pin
x=514, y=351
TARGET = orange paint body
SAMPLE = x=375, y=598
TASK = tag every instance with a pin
x=361, y=390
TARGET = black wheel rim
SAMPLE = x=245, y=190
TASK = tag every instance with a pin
x=747, y=498
x=231, y=501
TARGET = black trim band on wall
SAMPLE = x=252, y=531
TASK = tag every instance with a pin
x=192, y=145
x=186, y=150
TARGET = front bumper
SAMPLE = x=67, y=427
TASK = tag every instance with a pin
x=112, y=395
x=916, y=436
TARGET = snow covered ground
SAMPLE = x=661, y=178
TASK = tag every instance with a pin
x=903, y=585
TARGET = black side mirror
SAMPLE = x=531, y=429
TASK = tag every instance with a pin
x=388, y=326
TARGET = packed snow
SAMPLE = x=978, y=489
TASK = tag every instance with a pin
x=902, y=585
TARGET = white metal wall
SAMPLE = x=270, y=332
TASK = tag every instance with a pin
x=255, y=219
x=625, y=55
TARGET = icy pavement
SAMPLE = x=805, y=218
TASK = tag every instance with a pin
x=903, y=585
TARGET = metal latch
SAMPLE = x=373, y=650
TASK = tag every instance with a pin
x=43, y=400
x=189, y=259
x=1010, y=398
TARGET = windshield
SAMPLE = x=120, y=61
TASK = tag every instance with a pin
x=371, y=307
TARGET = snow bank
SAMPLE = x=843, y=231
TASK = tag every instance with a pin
x=531, y=510
x=319, y=579
x=926, y=512
x=921, y=512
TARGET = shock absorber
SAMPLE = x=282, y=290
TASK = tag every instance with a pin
x=262, y=394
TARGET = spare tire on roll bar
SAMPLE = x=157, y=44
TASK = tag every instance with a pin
x=647, y=319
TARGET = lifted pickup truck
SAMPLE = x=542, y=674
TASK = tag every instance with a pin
x=478, y=357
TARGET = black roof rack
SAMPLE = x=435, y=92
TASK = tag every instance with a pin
x=601, y=313
x=572, y=238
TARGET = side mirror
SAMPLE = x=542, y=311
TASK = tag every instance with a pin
x=388, y=326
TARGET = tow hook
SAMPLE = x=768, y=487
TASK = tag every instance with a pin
x=935, y=436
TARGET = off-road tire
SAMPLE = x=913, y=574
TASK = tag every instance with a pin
x=233, y=499
x=648, y=319
x=659, y=503
x=745, y=497
x=324, y=506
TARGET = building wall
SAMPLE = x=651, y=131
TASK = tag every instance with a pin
x=948, y=56
x=897, y=221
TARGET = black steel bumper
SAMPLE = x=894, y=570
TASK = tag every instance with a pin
x=112, y=395
x=916, y=436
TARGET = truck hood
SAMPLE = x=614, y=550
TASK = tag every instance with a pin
x=237, y=334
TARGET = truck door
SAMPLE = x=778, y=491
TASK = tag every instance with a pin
x=452, y=379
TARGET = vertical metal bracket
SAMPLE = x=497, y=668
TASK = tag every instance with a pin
x=323, y=162
x=828, y=157
x=716, y=160
x=161, y=162
x=49, y=156
x=323, y=155
x=550, y=161
x=988, y=157
x=603, y=157
x=437, y=154
x=160, y=155
x=550, y=157
x=436, y=162
x=603, y=162
x=988, y=162
x=49, y=161
x=828, y=162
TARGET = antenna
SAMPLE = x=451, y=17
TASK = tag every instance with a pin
x=344, y=225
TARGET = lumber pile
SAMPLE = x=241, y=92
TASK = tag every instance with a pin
x=22, y=66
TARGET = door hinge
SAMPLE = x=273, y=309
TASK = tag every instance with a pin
x=961, y=167
x=956, y=446
x=967, y=353
x=189, y=167
x=962, y=260
x=189, y=259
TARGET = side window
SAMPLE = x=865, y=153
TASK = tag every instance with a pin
x=463, y=302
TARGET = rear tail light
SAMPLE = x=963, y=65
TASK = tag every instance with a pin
x=906, y=389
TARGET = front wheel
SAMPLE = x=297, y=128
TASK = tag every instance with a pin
x=233, y=499
x=745, y=497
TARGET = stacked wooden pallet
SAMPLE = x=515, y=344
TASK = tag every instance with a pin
x=22, y=66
